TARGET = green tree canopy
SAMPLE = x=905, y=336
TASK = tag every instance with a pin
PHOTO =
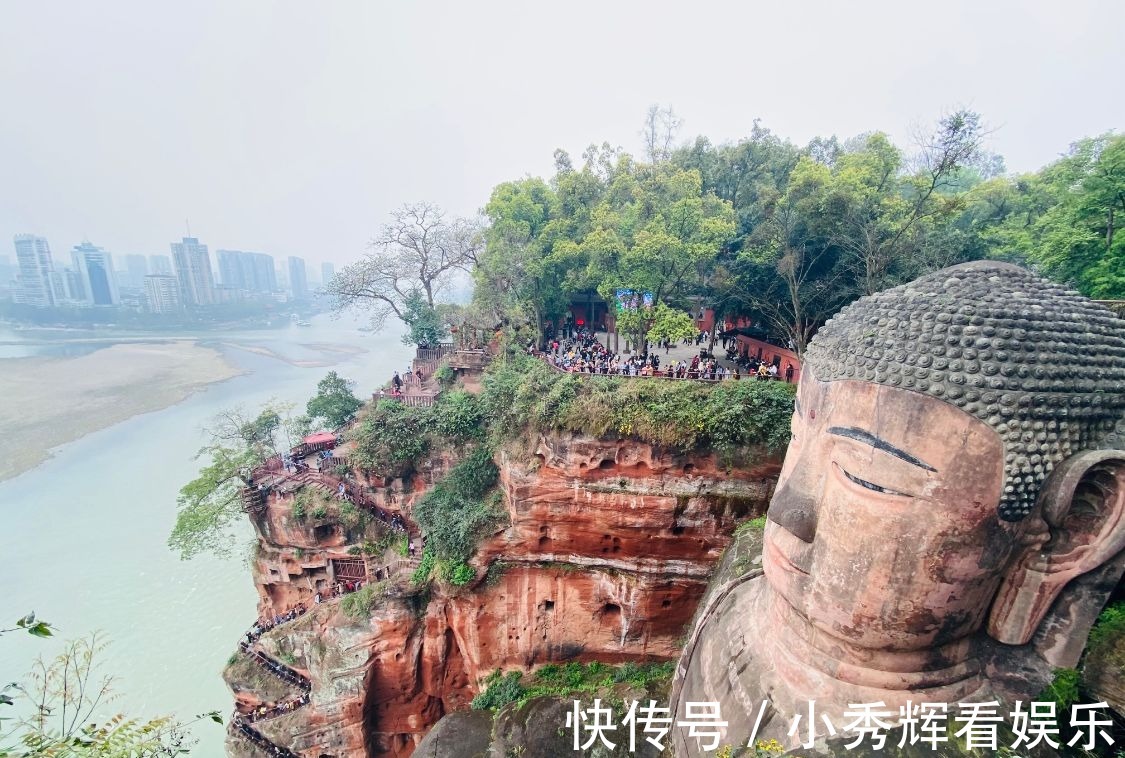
x=427, y=328
x=334, y=401
x=210, y=503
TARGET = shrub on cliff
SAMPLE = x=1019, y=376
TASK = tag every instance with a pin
x=358, y=604
x=390, y=438
x=457, y=416
x=457, y=511
x=523, y=394
x=570, y=680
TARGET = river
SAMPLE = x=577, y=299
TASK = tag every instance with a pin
x=83, y=535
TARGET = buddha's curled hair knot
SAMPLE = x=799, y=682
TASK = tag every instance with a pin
x=1039, y=363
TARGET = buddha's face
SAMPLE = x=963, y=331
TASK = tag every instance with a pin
x=883, y=530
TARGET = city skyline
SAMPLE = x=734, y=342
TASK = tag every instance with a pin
x=202, y=277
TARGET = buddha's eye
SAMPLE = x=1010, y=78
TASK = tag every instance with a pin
x=868, y=485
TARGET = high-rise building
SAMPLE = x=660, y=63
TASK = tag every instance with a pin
x=162, y=293
x=75, y=289
x=265, y=273
x=95, y=266
x=193, y=269
x=136, y=269
x=327, y=273
x=298, y=284
x=160, y=264
x=251, y=272
x=60, y=290
x=33, y=258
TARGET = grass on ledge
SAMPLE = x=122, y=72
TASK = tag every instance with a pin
x=567, y=681
x=523, y=394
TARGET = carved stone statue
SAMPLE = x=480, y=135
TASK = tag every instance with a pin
x=950, y=518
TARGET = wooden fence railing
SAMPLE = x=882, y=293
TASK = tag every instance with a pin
x=433, y=353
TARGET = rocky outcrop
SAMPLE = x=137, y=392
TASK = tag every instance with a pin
x=607, y=552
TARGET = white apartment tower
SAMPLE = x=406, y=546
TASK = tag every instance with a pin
x=162, y=293
x=193, y=269
x=33, y=257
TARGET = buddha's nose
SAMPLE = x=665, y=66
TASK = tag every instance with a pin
x=793, y=510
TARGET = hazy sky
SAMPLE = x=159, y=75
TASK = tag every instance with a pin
x=293, y=127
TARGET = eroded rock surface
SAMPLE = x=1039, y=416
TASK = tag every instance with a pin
x=609, y=548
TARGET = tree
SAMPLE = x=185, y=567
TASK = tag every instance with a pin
x=882, y=211
x=416, y=254
x=1064, y=218
x=210, y=503
x=789, y=274
x=661, y=125
x=655, y=231
x=518, y=275
x=670, y=324
x=427, y=329
x=333, y=402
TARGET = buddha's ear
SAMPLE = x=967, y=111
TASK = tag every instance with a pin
x=1080, y=527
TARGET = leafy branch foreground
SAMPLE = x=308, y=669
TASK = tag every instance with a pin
x=67, y=696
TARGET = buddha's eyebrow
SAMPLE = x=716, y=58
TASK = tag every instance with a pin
x=866, y=437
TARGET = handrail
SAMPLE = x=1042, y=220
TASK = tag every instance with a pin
x=747, y=377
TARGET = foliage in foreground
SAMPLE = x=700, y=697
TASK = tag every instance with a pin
x=67, y=695
x=566, y=681
x=522, y=394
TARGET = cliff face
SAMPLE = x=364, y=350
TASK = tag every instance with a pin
x=608, y=550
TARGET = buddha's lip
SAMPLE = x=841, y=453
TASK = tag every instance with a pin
x=780, y=557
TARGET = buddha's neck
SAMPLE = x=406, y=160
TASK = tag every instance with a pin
x=945, y=673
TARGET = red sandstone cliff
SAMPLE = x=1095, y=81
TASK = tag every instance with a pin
x=607, y=553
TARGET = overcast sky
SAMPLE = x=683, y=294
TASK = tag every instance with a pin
x=292, y=128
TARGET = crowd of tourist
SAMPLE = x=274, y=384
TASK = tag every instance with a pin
x=584, y=354
x=261, y=626
x=277, y=668
x=339, y=589
x=243, y=728
x=265, y=712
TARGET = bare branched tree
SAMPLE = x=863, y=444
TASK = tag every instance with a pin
x=659, y=133
x=880, y=229
x=414, y=255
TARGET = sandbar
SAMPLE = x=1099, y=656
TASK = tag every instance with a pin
x=47, y=402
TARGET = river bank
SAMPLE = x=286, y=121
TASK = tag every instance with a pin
x=49, y=402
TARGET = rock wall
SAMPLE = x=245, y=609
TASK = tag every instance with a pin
x=608, y=550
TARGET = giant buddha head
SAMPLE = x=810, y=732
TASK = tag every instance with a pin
x=955, y=463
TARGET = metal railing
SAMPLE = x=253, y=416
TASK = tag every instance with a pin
x=433, y=353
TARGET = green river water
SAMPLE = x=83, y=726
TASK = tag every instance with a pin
x=82, y=536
